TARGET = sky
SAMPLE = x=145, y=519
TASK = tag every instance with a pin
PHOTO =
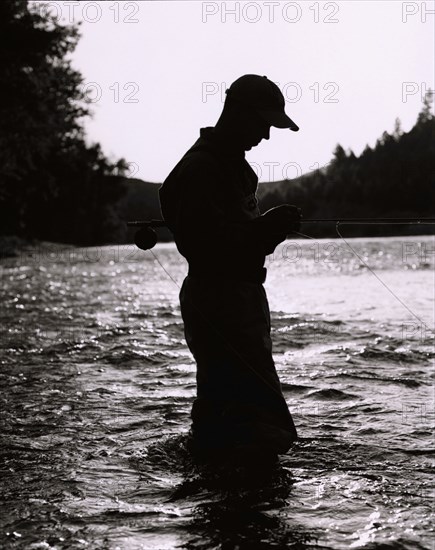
x=157, y=72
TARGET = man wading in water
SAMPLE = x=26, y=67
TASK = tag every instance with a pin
x=208, y=201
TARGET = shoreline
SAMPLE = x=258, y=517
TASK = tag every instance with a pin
x=12, y=246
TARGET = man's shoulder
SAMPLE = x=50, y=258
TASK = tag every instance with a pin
x=200, y=154
x=199, y=161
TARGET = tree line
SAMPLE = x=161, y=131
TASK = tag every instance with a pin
x=393, y=179
x=53, y=185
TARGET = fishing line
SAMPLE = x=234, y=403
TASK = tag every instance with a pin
x=303, y=235
x=374, y=273
x=164, y=269
x=362, y=260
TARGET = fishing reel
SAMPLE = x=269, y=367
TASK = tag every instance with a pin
x=146, y=238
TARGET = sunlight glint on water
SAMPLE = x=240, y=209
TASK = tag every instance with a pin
x=98, y=385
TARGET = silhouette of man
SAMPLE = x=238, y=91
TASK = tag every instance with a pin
x=209, y=203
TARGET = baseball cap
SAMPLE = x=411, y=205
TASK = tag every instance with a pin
x=264, y=97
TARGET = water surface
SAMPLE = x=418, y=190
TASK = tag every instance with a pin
x=97, y=385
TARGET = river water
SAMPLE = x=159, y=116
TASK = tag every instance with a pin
x=97, y=385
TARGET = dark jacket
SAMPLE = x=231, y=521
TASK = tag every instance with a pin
x=208, y=201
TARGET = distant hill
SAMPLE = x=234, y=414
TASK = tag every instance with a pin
x=269, y=193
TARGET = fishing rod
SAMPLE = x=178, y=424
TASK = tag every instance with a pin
x=146, y=237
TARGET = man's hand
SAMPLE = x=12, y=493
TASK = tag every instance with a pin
x=283, y=219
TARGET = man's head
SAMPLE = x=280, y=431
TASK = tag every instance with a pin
x=254, y=104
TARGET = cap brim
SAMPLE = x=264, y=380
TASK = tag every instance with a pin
x=279, y=120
